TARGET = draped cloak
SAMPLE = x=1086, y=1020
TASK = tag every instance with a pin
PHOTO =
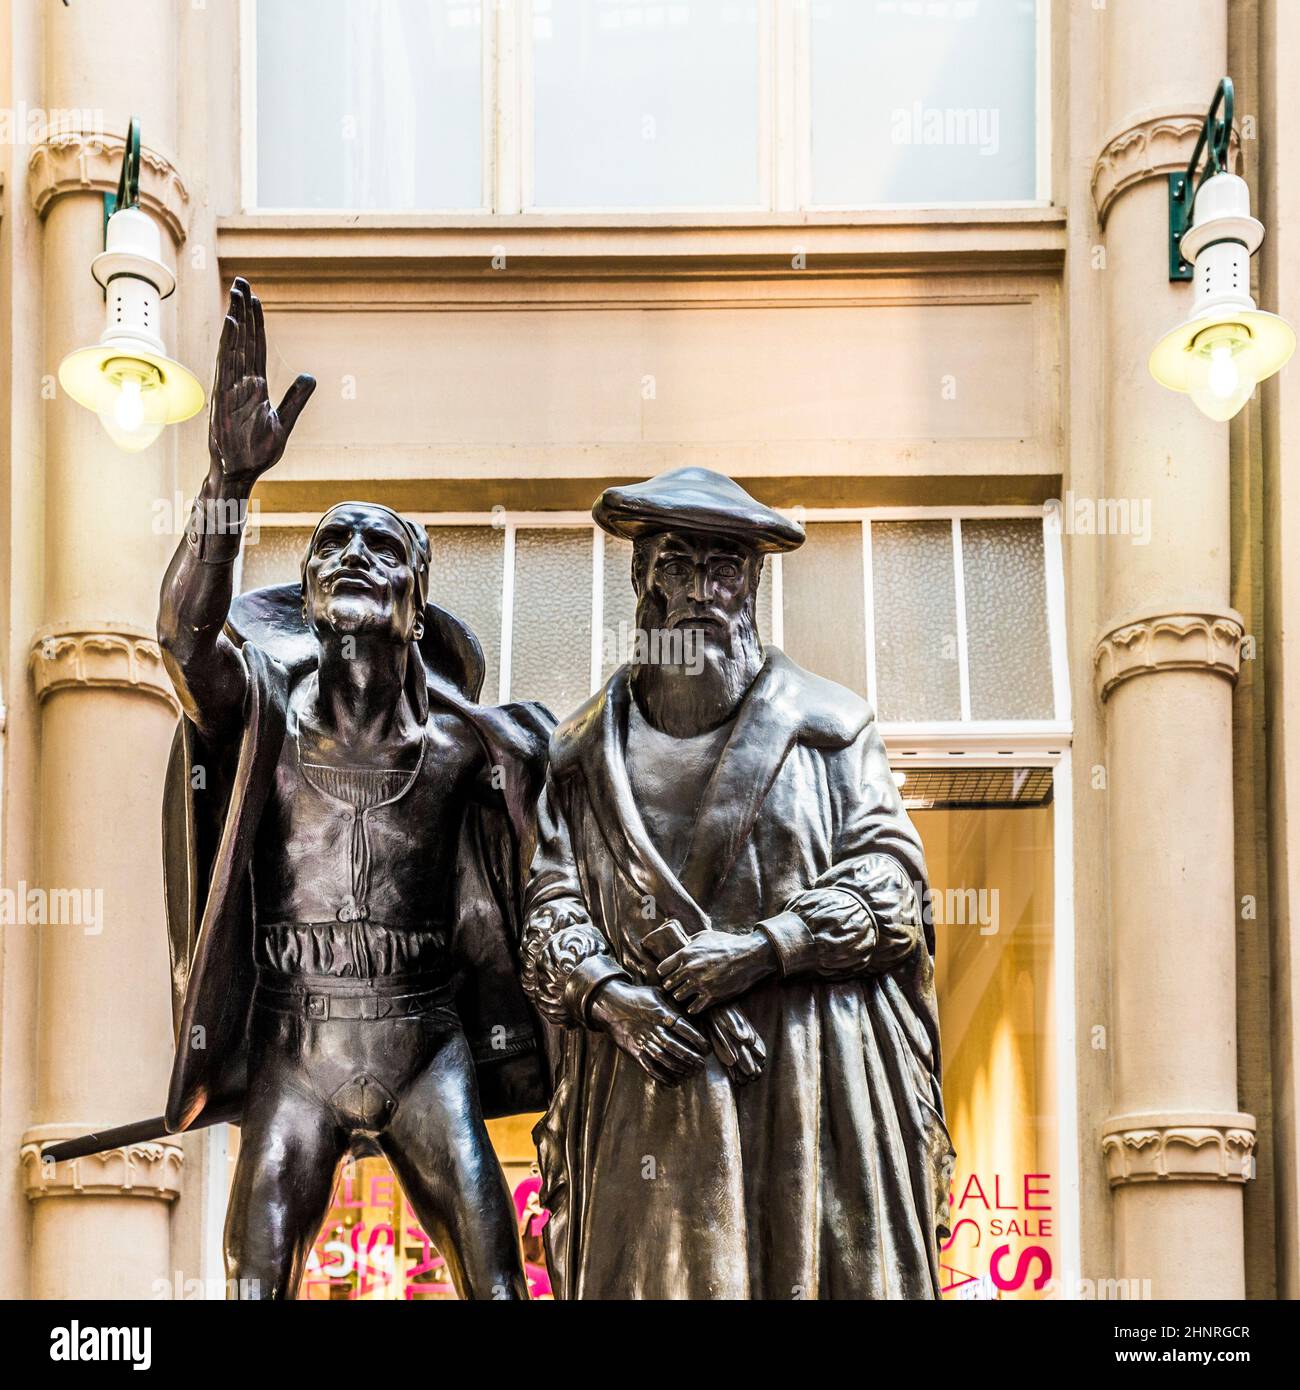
x=827, y=1176
x=213, y=800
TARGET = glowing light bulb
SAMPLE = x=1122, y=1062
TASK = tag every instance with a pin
x=1220, y=378
x=1224, y=378
x=128, y=410
x=130, y=413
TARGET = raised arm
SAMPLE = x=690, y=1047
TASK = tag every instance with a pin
x=246, y=437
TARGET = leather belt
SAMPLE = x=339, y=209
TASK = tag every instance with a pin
x=320, y=997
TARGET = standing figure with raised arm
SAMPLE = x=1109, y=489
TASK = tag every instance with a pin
x=345, y=835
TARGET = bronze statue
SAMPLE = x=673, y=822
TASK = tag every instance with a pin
x=724, y=915
x=346, y=833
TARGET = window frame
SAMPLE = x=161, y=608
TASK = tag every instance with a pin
x=784, y=126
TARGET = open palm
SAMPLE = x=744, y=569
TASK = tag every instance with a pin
x=246, y=433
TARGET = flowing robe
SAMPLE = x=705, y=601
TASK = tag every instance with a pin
x=827, y=1177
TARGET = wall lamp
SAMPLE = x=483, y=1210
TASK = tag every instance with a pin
x=126, y=378
x=1227, y=345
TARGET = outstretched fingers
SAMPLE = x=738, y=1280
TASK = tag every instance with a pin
x=257, y=334
x=225, y=358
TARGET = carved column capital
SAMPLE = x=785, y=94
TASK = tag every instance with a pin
x=1176, y=1147
x=113, y=654
x=1151, y=146
x=150, y=1169
x=1169, y=642
x=76, y=161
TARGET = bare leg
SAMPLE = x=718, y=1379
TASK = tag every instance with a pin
x=290, y=1150
x=439, y=1147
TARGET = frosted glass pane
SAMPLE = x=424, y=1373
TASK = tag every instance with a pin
x=917, y=675
x=272, y=555
x=551, y=634
x=465, y=571
x=763, y=609
x=821, y=590
x=923, y=103
x=619, y=606
x=645, y=104
x=369, y=104
x=1006, y=620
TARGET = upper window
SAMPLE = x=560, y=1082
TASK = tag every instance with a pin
x=369, y=104
x=642, y=105
x=923, y=102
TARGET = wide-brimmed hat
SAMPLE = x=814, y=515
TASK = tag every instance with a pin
x=695, y=499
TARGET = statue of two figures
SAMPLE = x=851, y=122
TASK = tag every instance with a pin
x=686, y=923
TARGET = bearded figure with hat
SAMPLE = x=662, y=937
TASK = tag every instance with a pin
x=725, y=920
x=346, y=837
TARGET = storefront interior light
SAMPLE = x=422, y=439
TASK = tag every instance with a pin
x=1227, y=345
x=126, y=378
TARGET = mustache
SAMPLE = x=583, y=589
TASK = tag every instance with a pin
x=329, y=582
x=709, y=617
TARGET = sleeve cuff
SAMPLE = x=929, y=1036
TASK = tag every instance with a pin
x=216, y=527
x=584, y=980
x=793, y=943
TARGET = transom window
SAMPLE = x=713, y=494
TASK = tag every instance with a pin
x=638, y=105
x=949, y=622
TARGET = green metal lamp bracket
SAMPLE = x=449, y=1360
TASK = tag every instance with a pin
x=128, y=181
x=1213, y=142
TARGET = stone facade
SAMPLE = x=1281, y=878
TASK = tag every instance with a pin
x=1183, y=669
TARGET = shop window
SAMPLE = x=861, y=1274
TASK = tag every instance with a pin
x=991, y=889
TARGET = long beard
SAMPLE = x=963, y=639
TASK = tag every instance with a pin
x=692, y=698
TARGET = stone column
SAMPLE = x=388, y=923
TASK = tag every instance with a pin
x=101, y=1226
x=1176, y=1148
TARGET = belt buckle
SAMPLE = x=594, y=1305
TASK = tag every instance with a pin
x=318, y=1006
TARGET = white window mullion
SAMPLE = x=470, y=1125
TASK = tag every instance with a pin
x=488, y=106
x=1064, y=956
x=800, y=105
x=869, y=615
x=507, y=613
x=511, y=23
x=247, y=105
x=959, y=593
x=1055, y=584
x=776, y=189
x=1043, y=102
x=778, y=602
